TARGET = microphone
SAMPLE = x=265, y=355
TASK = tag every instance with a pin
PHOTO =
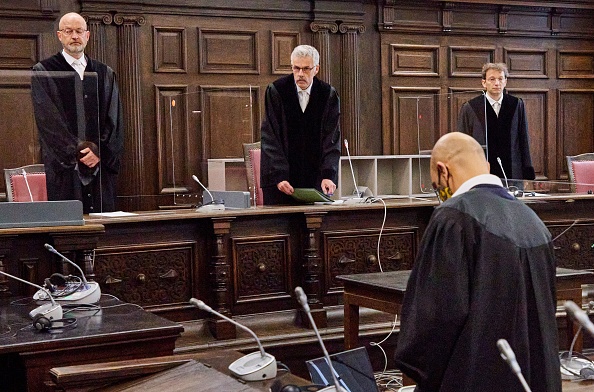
x=27, y=184
x=214, y=205
x=508, y=356
x=503, y=171
x=358, y=198
x=251, y=367
x=90, y=292
x=302, y=299
x=486, y=127
x=51, y=311
x=580, y=316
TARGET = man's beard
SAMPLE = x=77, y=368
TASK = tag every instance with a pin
x=75, y=48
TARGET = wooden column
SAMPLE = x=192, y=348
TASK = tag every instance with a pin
x=5, y=248
x=350, y=102
x=321, y=41
x=131, y=179
x=220, y=279
x=312, y=270
x=97, y=25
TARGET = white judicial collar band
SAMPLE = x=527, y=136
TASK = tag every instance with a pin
x=303, y=99
x=492, y=101
x=80, y=67
x=489, y=179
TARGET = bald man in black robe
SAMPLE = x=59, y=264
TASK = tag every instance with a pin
x=79, y=120
x=485, y=271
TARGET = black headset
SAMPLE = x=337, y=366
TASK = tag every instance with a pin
x=42, y=323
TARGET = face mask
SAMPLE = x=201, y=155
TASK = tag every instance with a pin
x=443, y=192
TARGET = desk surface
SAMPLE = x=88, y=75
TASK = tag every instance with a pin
x=203, y=371
x=115, y=331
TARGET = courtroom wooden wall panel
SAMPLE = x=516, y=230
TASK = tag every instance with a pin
x=170, y=49
x=576, y=125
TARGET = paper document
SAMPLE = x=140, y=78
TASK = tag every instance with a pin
x=310, y=195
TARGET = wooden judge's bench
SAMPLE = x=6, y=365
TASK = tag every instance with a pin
x=248, y=261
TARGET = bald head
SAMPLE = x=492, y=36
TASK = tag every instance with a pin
x=458, y=155
x=72, y=17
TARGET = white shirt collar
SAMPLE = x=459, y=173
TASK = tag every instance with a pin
x=492, y=101
x=489, y=179
x=307, y=90
x=70, y=59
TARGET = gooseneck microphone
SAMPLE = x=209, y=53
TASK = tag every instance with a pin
x=579, y=315
x=508, y=356
x=90, y=293
x=302, y=299
x=503, y=171
x=51, y=311
x=346, y=146
x=215, y=205
x=251, y=367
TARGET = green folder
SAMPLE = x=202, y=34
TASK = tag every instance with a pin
x=310, y=195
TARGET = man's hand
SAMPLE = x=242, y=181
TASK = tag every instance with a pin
x=328, y=187
x=88, y=158
x=285, y=187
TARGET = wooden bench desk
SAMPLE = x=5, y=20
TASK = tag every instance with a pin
x=384, y=291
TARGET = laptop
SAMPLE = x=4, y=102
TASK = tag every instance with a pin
x=355, y=373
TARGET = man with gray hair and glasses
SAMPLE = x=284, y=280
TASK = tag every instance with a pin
x=505, y=134
x=79, y=120
x=300, y=133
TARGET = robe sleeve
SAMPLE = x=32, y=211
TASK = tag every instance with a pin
x=274, y=161
x=436, y=302
x=330, y=138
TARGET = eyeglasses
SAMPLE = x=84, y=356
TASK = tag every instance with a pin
x=306, y=70
x=69, y=32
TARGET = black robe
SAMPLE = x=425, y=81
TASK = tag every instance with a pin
x=485, y=271
x=69, y=111
x=300, y=147
x=507, y=134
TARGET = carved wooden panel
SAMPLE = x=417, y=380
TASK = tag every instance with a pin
x=404, y=18
x=573, y=244
x=282, y=44
x=227, y=51
x=575, y=64
x=535, y=102
x=148, y=275
x=575, y=131
x=468, y=61
x=414, y=60
x=355, y=251
x=19, y=144
x=526, y=63
x=18, y=51
x=576, y=22
x=477, y=20
x=230, y=117
x=169, y=49
x=172, y=136
x=456, y=98
x=531, y=21
x=261, y=268
x=415, y=119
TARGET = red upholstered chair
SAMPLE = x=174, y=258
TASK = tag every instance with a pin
x=581, y=172
x=251, y=156
x=26, y=183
